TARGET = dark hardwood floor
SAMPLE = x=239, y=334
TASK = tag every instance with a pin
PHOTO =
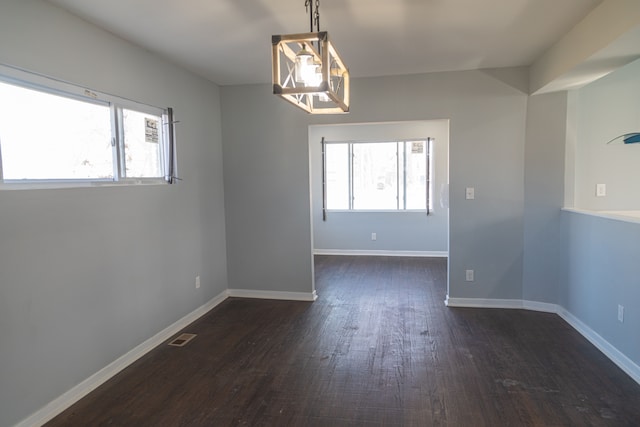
x=378, y=347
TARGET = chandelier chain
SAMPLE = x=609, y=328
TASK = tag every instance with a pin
x=314, y=15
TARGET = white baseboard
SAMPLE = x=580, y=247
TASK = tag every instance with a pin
x=483, y=303
x=55, y=407
x=291, y=296
x=615, y=355
x=544, y=307
x=429, y=254
x=502, y=303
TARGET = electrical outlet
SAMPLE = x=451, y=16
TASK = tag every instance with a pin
x=197, y=282
x=601, y=190
x=469, y=275
x=620, y=313
x=374, y=236
x=470, y=193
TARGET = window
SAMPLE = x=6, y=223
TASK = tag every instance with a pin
x=53, y=132
x=378, y=176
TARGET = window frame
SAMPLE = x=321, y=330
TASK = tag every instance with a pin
x=400, y=162
x=168, y=164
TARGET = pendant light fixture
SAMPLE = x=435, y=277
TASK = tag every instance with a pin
x=307, y=70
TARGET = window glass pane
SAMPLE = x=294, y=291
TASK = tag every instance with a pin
x=337, y=175
x=46, y=136
x=416, y=174
x=375, y=176
x=142, y=144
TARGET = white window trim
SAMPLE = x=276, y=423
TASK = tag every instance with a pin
x=29, y=79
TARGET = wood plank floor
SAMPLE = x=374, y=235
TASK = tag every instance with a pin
x=378, y=347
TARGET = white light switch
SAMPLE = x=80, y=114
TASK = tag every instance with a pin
x=601, y=190
x=470, y=193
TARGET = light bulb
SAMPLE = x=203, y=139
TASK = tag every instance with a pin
x=304, y=68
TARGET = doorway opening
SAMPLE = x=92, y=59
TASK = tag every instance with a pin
x=379, y=166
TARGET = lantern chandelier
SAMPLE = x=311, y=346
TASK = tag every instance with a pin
x=307, y=70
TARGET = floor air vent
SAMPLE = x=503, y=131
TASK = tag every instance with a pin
x=182, y=340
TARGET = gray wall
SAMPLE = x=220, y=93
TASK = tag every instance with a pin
x=266, y=156
x=88, y=274
x=606, y=109
x=544, y=254
x=602, y=272
x=396, y=231
x=267, y=200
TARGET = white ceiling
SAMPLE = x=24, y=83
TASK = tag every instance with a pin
x=229, y=41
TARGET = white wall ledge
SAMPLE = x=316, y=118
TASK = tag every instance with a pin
x=621, y=215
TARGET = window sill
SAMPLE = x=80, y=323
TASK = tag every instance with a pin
x=51, y=185
x=395, y=211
